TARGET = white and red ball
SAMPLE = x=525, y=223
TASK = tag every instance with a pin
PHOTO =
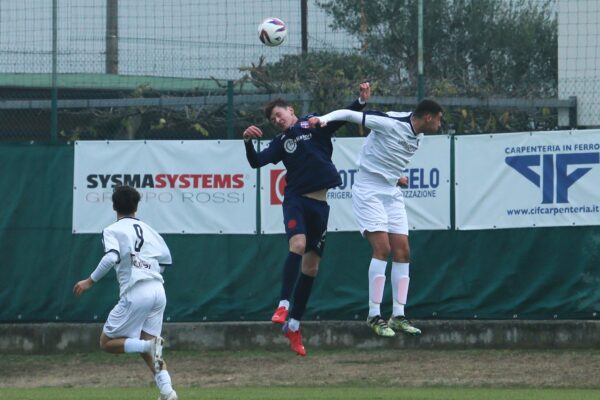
x=272, y=32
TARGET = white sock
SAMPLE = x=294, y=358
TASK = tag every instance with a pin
x=293, y=324
x=163, y=381
x=284, y=303
x=398, y=270
x=377, y=267
x=136, y=346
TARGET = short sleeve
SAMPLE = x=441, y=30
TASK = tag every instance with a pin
x=378, y=121
x=164, y=259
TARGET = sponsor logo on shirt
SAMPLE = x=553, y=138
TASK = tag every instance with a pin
x=290, y=145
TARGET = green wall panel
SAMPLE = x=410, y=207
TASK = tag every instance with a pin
x=542, y=273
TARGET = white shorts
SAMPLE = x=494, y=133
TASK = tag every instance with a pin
x=378, y=206
x=141, y=308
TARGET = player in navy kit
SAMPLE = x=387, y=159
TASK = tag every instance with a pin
x=306, y=154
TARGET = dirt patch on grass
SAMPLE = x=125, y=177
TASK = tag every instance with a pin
x=481, y=368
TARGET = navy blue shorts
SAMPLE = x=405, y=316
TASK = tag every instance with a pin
x=303, y=215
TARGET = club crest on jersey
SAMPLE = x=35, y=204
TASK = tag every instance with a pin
x=290, y=145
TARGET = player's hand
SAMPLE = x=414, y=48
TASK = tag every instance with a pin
x=252, y=132
x=365, y=91
x=82, y=286
x=403, y=182
x=315, y=122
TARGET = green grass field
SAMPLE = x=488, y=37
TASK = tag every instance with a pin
x=301, y=393
x=333, y=374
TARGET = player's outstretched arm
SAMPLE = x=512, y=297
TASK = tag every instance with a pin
x=337, y=115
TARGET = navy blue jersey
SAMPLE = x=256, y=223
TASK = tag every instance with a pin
x=306, y=155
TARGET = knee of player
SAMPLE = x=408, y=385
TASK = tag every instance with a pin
x=298, y=245
x=310, y=270
x=402, y=254
x=381, y=252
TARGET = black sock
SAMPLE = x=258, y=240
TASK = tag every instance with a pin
x=301, y=295
x=290, y=275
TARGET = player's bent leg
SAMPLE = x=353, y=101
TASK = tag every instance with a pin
x=154, y=352
x=112, y=345
x=159, y=369
x=163, y=381
x=291, y=329
x=291, y=270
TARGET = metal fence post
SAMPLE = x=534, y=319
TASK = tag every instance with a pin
x=54, y=89
x=573, y=112
x=230, y=109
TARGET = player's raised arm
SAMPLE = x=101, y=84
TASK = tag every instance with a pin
x=252, y=132
x=364, y=90
x=364, y=93
x=271, y=154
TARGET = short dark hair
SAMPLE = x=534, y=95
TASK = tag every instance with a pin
x=125, y=199
x=427, y=106
x=275, y=103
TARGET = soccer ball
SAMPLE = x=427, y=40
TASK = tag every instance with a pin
x=272, y=32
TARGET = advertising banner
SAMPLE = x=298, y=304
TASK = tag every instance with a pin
x=528, y=179
x=427, y=198
x=186, y=186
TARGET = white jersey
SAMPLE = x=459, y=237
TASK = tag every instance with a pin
x=390, y=145
x=141, y=251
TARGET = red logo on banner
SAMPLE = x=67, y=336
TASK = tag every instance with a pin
x=277, y=186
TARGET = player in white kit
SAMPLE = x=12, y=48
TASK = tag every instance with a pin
x=139, y=255
x=378, y=203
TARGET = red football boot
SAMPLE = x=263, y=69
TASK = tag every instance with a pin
x=295, y=340
x=280, y=315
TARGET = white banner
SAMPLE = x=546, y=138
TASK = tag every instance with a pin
x=186, y=186
x=528, y=179
x=427, y=198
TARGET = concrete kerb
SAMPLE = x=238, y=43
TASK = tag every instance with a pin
x=48, y=338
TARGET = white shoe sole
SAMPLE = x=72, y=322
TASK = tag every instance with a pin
x=156, y=351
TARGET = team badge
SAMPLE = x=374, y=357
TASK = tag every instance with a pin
x=290, y=145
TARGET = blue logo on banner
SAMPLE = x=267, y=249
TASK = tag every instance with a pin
x=553, y=164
